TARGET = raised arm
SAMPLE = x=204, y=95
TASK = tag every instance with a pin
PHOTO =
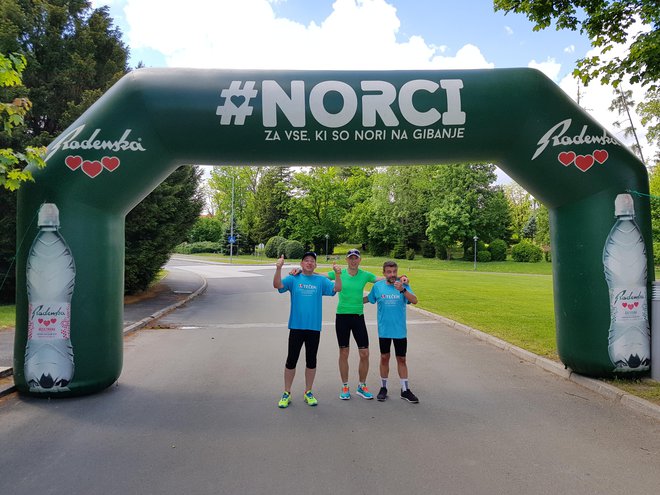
x=337, y=269
x=277, y=278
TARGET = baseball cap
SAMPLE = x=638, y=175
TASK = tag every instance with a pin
x=309, y=253
x=353, y=252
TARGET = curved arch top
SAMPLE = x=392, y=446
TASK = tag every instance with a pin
x=155, y=120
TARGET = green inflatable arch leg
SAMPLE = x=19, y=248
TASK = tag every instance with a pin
x=71, y=220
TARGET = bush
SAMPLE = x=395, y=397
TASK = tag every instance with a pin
x=273, y=246
x=548, y=254
x=483, y=256
x=497, y=250
x=206, y=229
x=656, y=253
x=410, y=254
x=526, y=252
x=293, y=250
x=198, y=247
x=428, y=249
x=468, y=255
x=398, y=251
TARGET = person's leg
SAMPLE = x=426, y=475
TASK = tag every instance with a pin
x=362, y=340
x=343, y=364
x=384, y=345
x=343, y=330
x=384, y=358
x=402, y=367
x=400, y=349
x=312, y=339
x=295, y=345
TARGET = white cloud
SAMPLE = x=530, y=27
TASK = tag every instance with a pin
x=508, y=30
x=468, y=57
x=247, y=34
x=569, y=49
x=550, y=67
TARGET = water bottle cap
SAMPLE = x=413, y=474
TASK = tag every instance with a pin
x=49, y=215
x=624, y=205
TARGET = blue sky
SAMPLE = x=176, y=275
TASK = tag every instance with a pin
x=355, y=35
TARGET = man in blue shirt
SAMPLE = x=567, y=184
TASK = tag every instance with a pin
x=305, y=318
x=391, y=295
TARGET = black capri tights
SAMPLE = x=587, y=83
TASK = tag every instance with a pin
x=297, y=338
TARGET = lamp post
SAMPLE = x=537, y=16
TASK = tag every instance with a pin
x=327, y=236
x=475, y=251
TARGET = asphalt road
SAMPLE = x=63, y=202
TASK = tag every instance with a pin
x=195, y=412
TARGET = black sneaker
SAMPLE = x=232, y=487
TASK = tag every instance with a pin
x=382, y=394
x=409, y=396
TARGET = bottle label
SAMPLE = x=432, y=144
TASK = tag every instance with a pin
x=49, y=321
x=628, y=303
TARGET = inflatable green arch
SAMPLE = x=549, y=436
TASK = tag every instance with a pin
x=155, y=120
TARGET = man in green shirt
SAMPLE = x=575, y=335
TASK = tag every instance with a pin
x=350, y=318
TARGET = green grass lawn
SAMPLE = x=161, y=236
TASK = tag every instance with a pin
x=7, y=316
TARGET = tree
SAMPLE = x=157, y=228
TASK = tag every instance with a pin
x=543, y=226
x=606, y=23
x=359, y=183
x=271, y=203
x=530, y=228
x=649, y=111
x=73, y=54
x=449, y=223
x=161, y=221
x=469, y=187
x=399, y=207
x=12, y=115
x=622, y=104
x=521, y=206
x=654, y=186
x=317, y=208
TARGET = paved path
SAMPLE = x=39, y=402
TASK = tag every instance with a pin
x=195, y=412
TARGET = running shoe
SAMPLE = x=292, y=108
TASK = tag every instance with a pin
x=310, y=399
x=345, y=393
x=382, y=394
x=285, y=400
x=363, y=391
x=409, y=396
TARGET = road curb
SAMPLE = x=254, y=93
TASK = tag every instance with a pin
x=606, y=390
x=7, y=372
x=159, y=314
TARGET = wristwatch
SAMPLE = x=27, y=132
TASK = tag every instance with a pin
x=404, y=290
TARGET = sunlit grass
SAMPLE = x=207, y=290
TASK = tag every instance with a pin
x=7, y=316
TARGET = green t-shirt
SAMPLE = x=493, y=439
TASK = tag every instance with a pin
x=352, y=288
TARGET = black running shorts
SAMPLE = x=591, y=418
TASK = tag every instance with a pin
x=344, y=324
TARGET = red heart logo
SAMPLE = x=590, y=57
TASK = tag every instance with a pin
x=47, y=322
x=110, y=162
x=625, y=305
x=40, y=320
x=636, y=304
x=566, y=158
x=73, y=162
x=53, y=320
x=601, y=156
x=92, y=168
x=584, y=162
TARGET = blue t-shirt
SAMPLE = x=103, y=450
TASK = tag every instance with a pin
x=391, y=309
x=306, y=294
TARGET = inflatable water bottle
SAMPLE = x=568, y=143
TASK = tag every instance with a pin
x=51, y=274
x=624, y=260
